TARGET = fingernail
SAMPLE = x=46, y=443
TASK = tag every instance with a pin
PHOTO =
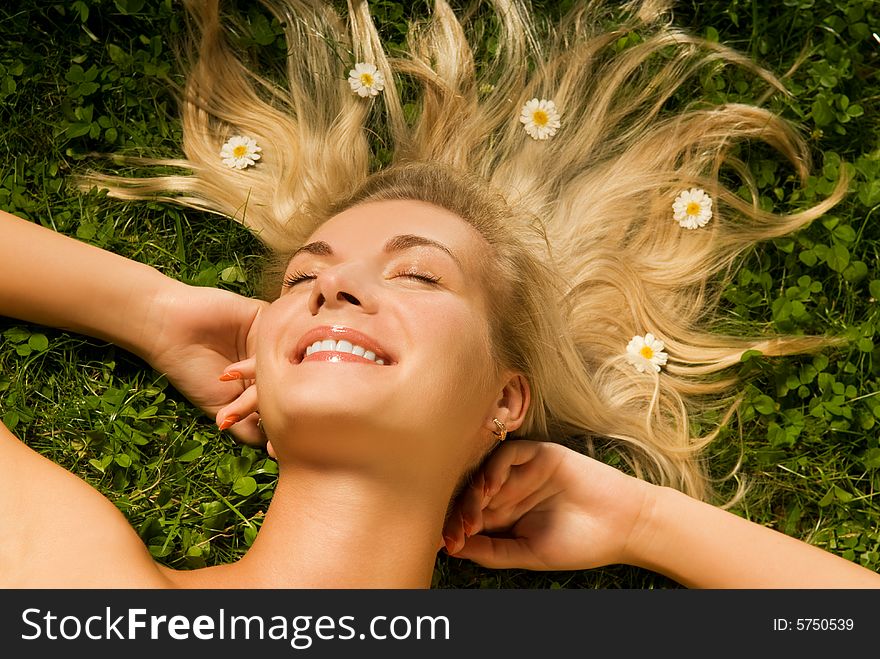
x=229, y=421
x=449, y=542
x=230, y=375
x=468, y=529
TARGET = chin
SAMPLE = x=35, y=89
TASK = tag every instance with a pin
x=327, y=400
x=322, y=413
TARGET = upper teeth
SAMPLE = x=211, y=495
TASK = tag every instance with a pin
x=342, y=346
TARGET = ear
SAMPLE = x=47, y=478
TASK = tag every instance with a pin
x=512, y=404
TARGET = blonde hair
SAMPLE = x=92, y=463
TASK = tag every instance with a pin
x=581, y=224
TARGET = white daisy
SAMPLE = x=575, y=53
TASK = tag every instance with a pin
x=240, y=152
x=366, y=80
x=692, y=209
x=646, y=352
x=540, y=118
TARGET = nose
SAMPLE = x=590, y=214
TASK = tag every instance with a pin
x=339, y=287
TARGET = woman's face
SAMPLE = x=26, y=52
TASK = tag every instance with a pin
x=378, y=346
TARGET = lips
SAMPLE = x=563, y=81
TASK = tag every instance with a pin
x=340, y=333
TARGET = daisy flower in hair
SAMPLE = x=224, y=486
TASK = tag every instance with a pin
x=540, y=118
x=692, y=208
x=366, y=80
x=240, y=152
x=646, y=353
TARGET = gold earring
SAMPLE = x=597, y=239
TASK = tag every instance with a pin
x=501, y=433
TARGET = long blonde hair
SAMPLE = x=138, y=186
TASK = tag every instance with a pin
x=585, y=217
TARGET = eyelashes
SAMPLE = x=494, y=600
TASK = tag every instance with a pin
x=298, y=277
x=295, y=278
x=412, y=273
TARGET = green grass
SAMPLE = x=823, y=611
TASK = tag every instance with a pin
x=95, y=77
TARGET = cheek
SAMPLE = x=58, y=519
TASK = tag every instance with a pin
x=459, y=336
x=270, y=339
x=267, y=332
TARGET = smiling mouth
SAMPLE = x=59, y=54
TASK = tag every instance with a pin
x=330, y=350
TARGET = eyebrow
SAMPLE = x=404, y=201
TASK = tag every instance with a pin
x=395, y=244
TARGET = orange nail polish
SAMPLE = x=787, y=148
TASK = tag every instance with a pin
x=230, y=375
x=449, y=542
x=230, y=420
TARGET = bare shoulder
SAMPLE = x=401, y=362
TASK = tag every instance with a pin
x=57, y=531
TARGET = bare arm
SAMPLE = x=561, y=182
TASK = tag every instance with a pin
x=702, y=546
x=54, y=280
x=541, y=506
x=56, y=531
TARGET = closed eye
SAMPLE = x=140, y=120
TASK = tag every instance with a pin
x=431, y=279
x=295, y=278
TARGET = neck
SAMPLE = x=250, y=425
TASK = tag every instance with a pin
x=343, y=530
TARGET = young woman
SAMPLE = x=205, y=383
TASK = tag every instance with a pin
x=541, y=255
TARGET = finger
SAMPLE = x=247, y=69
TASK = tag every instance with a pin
x=508, y=455
x=242, y=407
x=243, y=370
x=248, y=432
x=452, y=523
x=526, y=485
x=453, y=532
x=470, y=503
x=498, y=553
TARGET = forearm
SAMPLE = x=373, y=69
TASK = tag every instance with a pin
x=54, y=280
x=701, y=546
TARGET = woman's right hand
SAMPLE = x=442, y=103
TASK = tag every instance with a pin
x=542, y=506
x=203, y=339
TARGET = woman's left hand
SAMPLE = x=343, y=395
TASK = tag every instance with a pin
x=542, y=506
